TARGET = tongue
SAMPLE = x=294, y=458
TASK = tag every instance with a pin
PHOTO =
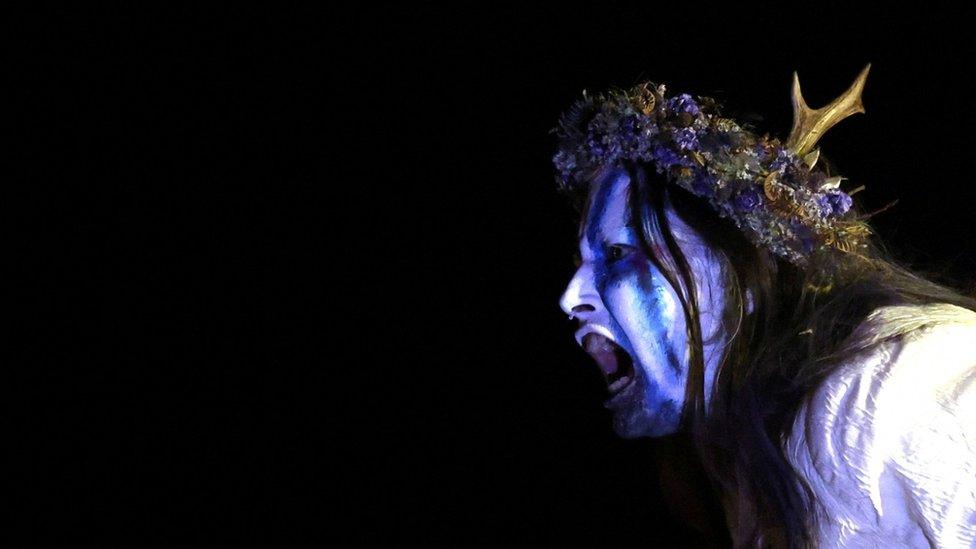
x=602, y=350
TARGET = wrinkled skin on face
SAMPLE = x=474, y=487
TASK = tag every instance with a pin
x=616, y=291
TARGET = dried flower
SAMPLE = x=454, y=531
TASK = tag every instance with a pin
x=683, y=103
x=835, y=203
x=748, y=199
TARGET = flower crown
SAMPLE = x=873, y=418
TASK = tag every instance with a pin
x=770, y=190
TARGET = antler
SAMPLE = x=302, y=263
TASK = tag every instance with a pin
x=809, y=124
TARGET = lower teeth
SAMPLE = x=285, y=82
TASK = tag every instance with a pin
x=619, y=384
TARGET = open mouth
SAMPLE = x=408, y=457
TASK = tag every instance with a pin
x=615, y=363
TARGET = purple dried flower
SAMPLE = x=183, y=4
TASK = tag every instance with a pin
x=629, y=133
x=686, y=139
x=594, y=145
x=804, y=235
x=683, y=103
x=664, y=156
x=748, y=199
x=843, y=202
x=564, y=161
x=761, y=153
x=783, y=160
x=628, y=124
x=834, y=203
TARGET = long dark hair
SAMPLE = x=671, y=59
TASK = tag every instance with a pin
x=797, y=334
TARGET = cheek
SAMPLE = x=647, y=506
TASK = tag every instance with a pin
x=638, y=298
x=652, y=322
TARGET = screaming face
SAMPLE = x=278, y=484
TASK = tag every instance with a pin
x=631, y=319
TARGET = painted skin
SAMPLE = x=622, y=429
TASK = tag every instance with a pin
x=616, y=291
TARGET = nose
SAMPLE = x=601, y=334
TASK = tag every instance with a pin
x=580, y=299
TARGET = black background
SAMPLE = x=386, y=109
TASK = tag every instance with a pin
x=295, y=277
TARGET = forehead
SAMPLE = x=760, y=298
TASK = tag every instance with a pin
x=608, y=210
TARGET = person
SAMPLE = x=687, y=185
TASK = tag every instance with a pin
x=726, y=287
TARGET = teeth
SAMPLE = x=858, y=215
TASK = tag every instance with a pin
x=619, y=384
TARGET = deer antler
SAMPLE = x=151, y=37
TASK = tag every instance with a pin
x=810, y=124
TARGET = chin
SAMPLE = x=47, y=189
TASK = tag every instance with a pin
x=646, y=423
x=625, y=429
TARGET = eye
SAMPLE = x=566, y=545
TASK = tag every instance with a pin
x=618, y=251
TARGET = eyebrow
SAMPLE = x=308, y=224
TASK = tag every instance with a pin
x=629, y=226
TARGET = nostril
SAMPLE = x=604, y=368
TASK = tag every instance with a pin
x=578, y=310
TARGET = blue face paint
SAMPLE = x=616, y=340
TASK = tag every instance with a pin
x=617, y=292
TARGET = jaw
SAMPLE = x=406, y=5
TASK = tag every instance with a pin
x=646, y=413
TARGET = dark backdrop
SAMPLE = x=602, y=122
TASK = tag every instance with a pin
x=297, y=276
